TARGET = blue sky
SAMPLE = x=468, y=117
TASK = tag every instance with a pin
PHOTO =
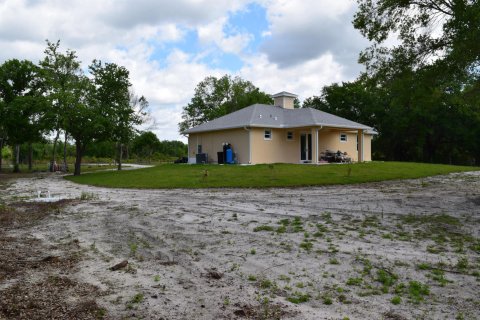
x=169, y=47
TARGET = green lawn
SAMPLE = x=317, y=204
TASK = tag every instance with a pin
x=262, y=176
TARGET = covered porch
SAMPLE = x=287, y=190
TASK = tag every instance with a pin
x=327, y=144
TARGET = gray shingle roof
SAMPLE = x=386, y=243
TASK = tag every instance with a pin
x=268, y=116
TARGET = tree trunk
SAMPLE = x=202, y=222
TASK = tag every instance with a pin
x=30, y=156
x=119, y=156
x=65, y=167
x=54, y=150
x=79, y=148
x=1, y=158
x=16, y=166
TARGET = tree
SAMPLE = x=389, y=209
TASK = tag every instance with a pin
x=351, y=100
x=86, y=120
x=62, y=74
x=216, y=97
x=145, y=144
x=417, y=24
x=23, y=106
x=124, y=109
x=428, y=82
x=3, y=129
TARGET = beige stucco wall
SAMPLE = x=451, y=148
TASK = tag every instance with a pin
x=212, y=143
x=278, y=149
x=367, y=147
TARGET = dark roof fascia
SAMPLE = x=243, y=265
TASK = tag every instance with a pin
x=281, y=127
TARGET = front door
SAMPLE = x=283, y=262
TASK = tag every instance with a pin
x=306, y=147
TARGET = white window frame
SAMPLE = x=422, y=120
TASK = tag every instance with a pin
x=269, y=134
x=343, y=135
x=292, y=136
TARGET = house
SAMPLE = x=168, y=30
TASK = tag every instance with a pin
x=279, y=134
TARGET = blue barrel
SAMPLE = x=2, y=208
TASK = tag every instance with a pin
x=229, y=157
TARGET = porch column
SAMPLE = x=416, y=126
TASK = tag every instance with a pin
x=314, y=145
x=360, y=145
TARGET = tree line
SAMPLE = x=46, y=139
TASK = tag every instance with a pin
x=57, y=97
x=145, y=146
x=422, y=95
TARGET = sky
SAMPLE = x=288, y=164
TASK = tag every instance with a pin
x=297, y=46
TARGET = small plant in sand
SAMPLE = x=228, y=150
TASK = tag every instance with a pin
x=439, y=276
x=253, y=251
x=263, y=228
x=226, y=301
x=327, y=300
x=396, y=300
x=354, y=281
x=306, y=245
x=297, y=224
x=133, y=248
x=417, y=291
x=462, y=264
x=299, y=297
x=156, y=278
x=252, y=277
x=265, y=284
x=284, y=278
x=387, y=279
x=88, y=196
x=136, y=299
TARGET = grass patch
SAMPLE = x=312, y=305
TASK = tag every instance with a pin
x=299, y=297
x=396, y=300
x=263, y=228
x=387, y=279
x=354, y=281
x=259, y=176
x=417, y=291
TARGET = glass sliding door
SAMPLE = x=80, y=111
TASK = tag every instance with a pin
x=306, y=147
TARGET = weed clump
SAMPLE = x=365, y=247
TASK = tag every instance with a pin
x=263, y=228
x=299, y=297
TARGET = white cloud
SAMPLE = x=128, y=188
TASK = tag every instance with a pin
x=305, y=79
x=308, y=44
x=213, y=33
x=305, y=30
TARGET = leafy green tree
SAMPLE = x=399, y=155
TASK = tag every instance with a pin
x=350, y=100
x=23, y=105
x=216, y=97
x=3, y=130
x=145, y=144
x=443, y=33
x=173, y=148
x=86, y=120
x=62, y=75
x=125, y=110
x=428, y=82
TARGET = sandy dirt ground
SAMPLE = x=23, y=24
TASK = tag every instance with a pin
x=392, y=250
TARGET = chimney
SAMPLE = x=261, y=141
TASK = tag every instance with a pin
x=284, y=99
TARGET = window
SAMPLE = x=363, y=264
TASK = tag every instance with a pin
x=343, y=137
x=268, y=134
x=289, y=135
